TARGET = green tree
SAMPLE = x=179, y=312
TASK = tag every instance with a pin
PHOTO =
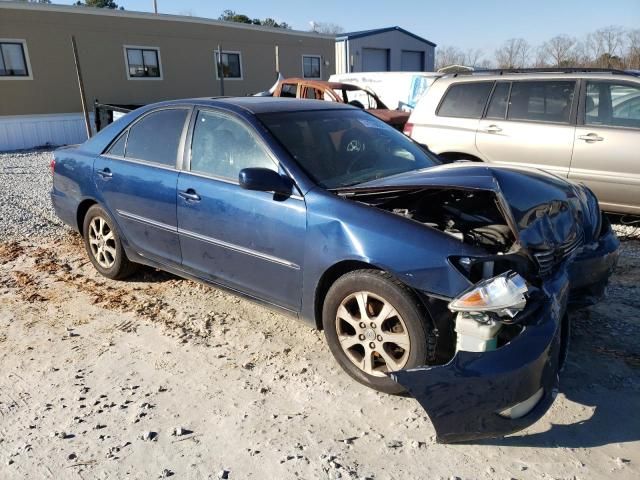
x=232, y=16
x=99, y=4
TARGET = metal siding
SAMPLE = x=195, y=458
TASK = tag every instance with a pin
x=186, y=57
x=412, y=61
x=29, y=131
x=375, y=59
x=396, y=42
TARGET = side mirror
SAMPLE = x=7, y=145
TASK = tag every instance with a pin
x=265, y=180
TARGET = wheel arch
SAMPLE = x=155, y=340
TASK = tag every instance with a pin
x=81, y=212
x=328, y=278
x=449, y=157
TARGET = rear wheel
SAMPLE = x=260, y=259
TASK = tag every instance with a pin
x=103, y=245
x=375, y=325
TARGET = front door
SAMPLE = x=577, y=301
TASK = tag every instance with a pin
x=249, y=241
x=137, y=180
x=529, y=123
x=606, y=154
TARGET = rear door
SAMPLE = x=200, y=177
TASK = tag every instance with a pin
x=249, y=241
x=606, y=155
x=137, y=180
x=530, y=123
x=457, y=117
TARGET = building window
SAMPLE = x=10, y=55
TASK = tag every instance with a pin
x=14, y=60
x=143, y=63
x=311, y=66
x=230, y=66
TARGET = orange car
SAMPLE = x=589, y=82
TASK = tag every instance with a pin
x=342, y=93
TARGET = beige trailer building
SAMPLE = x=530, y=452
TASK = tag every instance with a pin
x=132, y=58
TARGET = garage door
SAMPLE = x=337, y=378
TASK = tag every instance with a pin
x=375, y=60
x=412, y=61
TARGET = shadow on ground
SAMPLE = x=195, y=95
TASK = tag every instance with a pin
x=603, y=368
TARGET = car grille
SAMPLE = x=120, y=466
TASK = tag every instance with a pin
x=549, y=259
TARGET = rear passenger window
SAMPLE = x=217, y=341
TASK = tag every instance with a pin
x=465, y=100
x=156, y=137
x=289, y=90
x=541, y=101
x=611, y=104
x=498, y=103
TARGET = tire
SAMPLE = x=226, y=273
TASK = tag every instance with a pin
x=103, y=245
x=407, y=325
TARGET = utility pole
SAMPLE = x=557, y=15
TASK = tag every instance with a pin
x=155, y=6
x=220, y=69
x=83, y=99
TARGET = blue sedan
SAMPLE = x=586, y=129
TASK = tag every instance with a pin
x=449, y=282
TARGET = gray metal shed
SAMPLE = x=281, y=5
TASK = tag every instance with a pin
x=390, y=49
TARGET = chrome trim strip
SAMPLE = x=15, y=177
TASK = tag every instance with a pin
x=238, y=248
x=147, y=221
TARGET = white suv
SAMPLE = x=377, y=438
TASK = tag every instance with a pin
x=579, y=124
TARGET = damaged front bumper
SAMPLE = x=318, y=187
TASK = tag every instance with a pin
x=469, y=398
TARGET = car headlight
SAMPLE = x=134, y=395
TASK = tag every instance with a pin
x=504, y=294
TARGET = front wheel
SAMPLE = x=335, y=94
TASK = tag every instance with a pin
x=103, y=244
x=375, y=325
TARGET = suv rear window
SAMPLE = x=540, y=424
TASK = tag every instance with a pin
x=541, y=101
x=465, y=100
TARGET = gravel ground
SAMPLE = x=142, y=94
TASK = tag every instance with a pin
x=25, y=207
x=97, y=375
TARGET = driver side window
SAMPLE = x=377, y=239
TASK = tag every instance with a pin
x=222, y=146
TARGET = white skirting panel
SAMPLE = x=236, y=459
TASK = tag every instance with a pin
x=21, y=132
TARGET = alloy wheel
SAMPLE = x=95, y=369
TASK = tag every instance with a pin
x=372, y=334
x=102, y=242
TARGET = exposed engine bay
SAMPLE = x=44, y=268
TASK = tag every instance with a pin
x=472, y=216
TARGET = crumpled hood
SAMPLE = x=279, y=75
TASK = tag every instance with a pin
x=544, y=210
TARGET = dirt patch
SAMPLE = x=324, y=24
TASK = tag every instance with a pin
x=99, y=375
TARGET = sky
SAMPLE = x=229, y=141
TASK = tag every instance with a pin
x=465, y=24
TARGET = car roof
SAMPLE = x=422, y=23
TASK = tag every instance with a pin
x=259, y=105
x=507, y=76
x=323, y=84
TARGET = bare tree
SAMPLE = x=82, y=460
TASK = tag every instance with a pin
x=607, y=45
x=541, y=57
x=514, y=53
x=633, y=49
x=448, y=55
x=559, y=50
x=473, y=57
x=326, y=28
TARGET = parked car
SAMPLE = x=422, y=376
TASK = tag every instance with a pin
x=399, y=90
x=581, y=125
x=451, y=282
x=357, y=96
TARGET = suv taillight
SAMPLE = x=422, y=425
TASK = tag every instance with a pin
x=408, y=129
x=52, y=165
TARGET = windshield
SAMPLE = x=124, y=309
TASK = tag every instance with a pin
x=340, y=148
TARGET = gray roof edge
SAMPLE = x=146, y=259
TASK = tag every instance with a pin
x=43, y=7
x=376, y=31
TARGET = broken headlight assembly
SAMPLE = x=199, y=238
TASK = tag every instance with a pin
x=484, y=308
x=504, y=295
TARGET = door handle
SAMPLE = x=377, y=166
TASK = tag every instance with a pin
x=591, y=137
x=105, y=173
x=493, y=129
x=189, y=195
